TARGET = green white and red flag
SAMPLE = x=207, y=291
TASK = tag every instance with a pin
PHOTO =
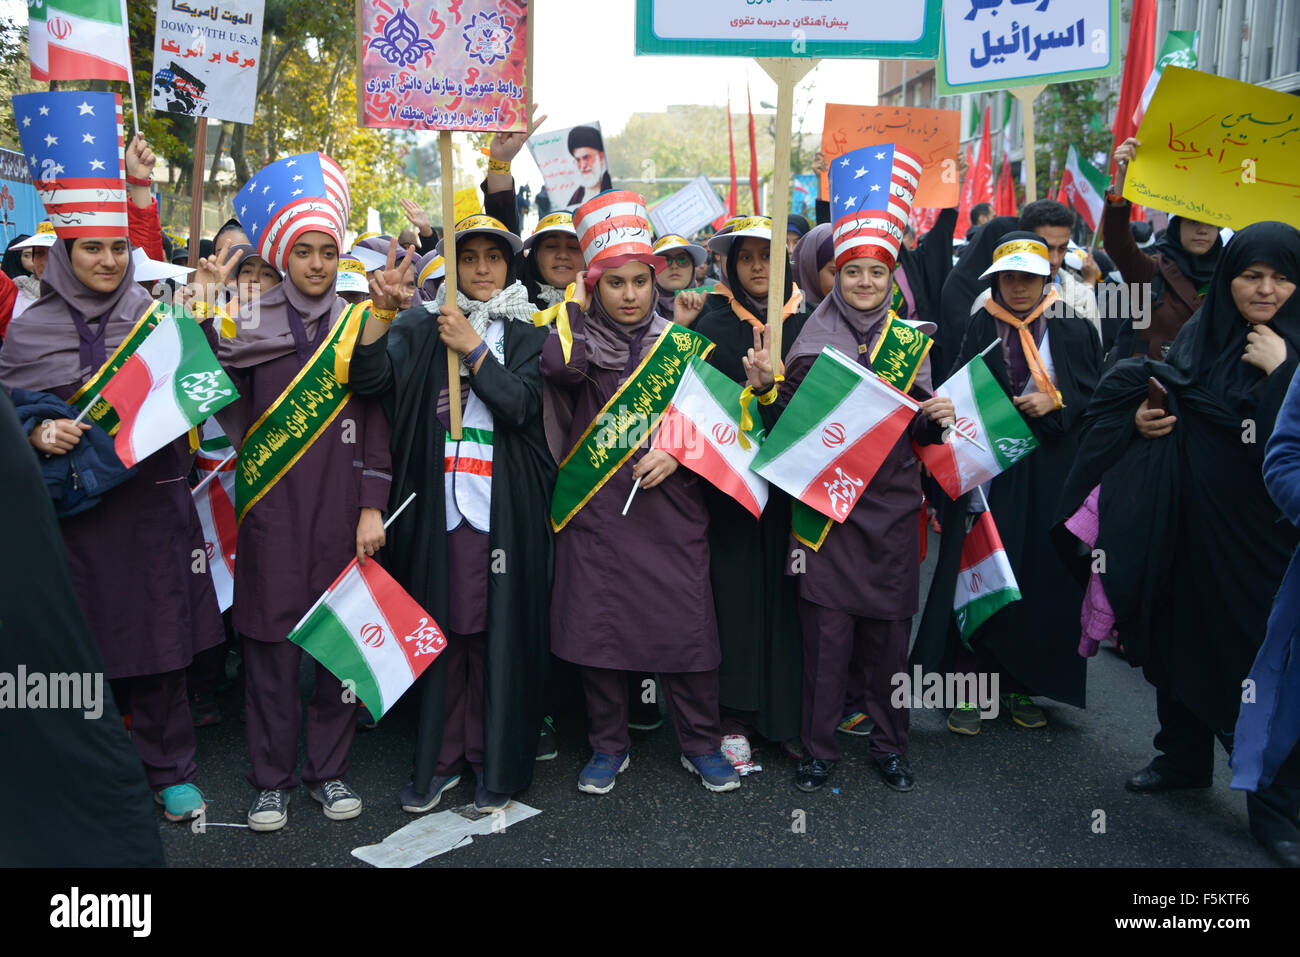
x=78, y=40
x=371, y=635
x=985, y=414
x=1084, y=187
x=214, y=500
x=834, y=435
x=985, y=582
x=168, y=386
x=701, y=429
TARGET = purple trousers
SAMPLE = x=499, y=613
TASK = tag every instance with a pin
x=161, y=728
x=831, y=641
x=462, y=728
x=691, y=696
x=275, y=714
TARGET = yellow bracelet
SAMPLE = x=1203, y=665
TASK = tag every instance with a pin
x=499, y=166
x=383, y=315
x=200, y=309
x=771, y=395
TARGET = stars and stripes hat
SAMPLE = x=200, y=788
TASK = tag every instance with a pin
x=872, y=189
x=77, y=156
x=295, y=195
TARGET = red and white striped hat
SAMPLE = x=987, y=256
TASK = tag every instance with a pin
x=292, y=196
x=613, y=229
x=872, y=189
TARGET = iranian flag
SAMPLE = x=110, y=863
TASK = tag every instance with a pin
x=78, y=40
x=1179, y=50
x=214, y=499
x=985, y=414
x=701, y=429
x=169, y=385
x=370, y=634
x=1083, y=187
x=834, y=435
x=986, y=581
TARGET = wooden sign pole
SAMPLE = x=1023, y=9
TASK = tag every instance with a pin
x=786, y=72
x=196, y=191
x=449, y=284
x=1026, y=95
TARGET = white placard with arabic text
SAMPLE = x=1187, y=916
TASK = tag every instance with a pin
x=688, y=210
x=205, y=58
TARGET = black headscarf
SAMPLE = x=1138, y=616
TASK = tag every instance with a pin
x=759, y=309
x=1198, y=269
x=1210, y=345
x=13, y=259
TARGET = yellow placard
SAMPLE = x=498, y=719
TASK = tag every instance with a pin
x=1219, y=151
x=467, y=203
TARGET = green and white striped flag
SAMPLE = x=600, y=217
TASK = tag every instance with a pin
x=78, y=40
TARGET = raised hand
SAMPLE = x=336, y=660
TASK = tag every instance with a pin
x=506, y=146
x=687, y=307
x=416, y=216
x=386, y=284
x=757, y=363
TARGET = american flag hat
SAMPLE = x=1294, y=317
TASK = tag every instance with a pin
x=872, y=189
x=77, y=156
x=614, y=223
x=295, y=195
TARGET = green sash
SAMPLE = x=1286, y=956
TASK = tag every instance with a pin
x=101, y=413
x=606, y=444
x=300, y=415
x=898, y=353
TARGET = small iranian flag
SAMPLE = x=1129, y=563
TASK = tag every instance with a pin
x=986, y=581
x=701, y=429
x=1083, y=187
x=371, y=635
x=78, y=40
x=833, y=436
x=169, y=385
x=214, y=501
x=985, y=414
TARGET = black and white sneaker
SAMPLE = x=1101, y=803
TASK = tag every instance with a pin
x=339, y=801
x=270, y=811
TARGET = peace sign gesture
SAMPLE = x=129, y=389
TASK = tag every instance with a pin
x=386, y=283
x=758, y=363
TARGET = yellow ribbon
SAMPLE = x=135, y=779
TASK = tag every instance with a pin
x=747, y=395
x=347, y=341
x=559, y=315
x=194, y=439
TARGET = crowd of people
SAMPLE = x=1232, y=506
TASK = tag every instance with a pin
x=576, y=571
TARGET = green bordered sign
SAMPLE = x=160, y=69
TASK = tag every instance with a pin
x=877, y=29
x=1004, y=44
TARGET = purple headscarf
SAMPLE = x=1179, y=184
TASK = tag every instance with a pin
x=426, y=291
x=70, y=331
x=811, y=254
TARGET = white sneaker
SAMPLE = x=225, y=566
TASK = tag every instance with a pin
x=339, y=801
x=735, y=748
x=270, y=811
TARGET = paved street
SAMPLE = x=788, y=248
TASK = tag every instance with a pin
x=1008, y=797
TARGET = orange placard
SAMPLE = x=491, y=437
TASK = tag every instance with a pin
x=934, y=135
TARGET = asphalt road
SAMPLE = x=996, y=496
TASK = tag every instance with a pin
x=1008, y=797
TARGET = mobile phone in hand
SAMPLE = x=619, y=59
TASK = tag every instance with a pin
x=1157, y=395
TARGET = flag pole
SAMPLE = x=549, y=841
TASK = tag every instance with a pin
x=89, y=405
x=213, y=474
x=449, y=282
x=635, y=485
x=400, y=508
x=196, y=189
x=130, y=70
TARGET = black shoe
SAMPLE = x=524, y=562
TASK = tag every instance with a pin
x=1151, y=780
x=812, y=774
x=894, y=769
x=1286, y=853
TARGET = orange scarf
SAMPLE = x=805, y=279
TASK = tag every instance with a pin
x=1032, y=358
x=743, y=314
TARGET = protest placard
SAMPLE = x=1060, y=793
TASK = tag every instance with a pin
x=205, y=59
x=933, y=135
x=443, y=64
x=466, y=203
x=1002, y=44
x=573, y=164
x=20, y=206
x=689, y=209
x=1218, y=150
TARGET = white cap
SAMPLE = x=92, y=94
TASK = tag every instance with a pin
x=352, y=276
x=44, y=236
x=151, y=270
x=1021, y=252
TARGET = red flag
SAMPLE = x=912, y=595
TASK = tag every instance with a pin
x=730, y=212
x=978, y=187
x=1139, y=60
x=963, y=208
x=753, y=156
x=1004, y=204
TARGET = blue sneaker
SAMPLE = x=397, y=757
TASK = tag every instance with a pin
x=417, y=802
x=714, y=770
x=598, y=776
x=489, y=801
x=180, y=801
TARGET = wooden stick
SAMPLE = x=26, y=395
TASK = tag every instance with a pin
x=786, y=71
x=449, y=283
x=1026, y=95
x=213, y=474
x=196, y=192
x=400, y=508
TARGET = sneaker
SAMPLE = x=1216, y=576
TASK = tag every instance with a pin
x=714, y=770
x=269, y=811
x=365, y=720
x=204, y=710
x=548, y=745
x=735, y=748
x=856, y=723
x=180, y=802
x=416, y=802
x=489, y=801
x=964, y=719
x=339, y=801
x=598, y=776
x=1024, y=712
